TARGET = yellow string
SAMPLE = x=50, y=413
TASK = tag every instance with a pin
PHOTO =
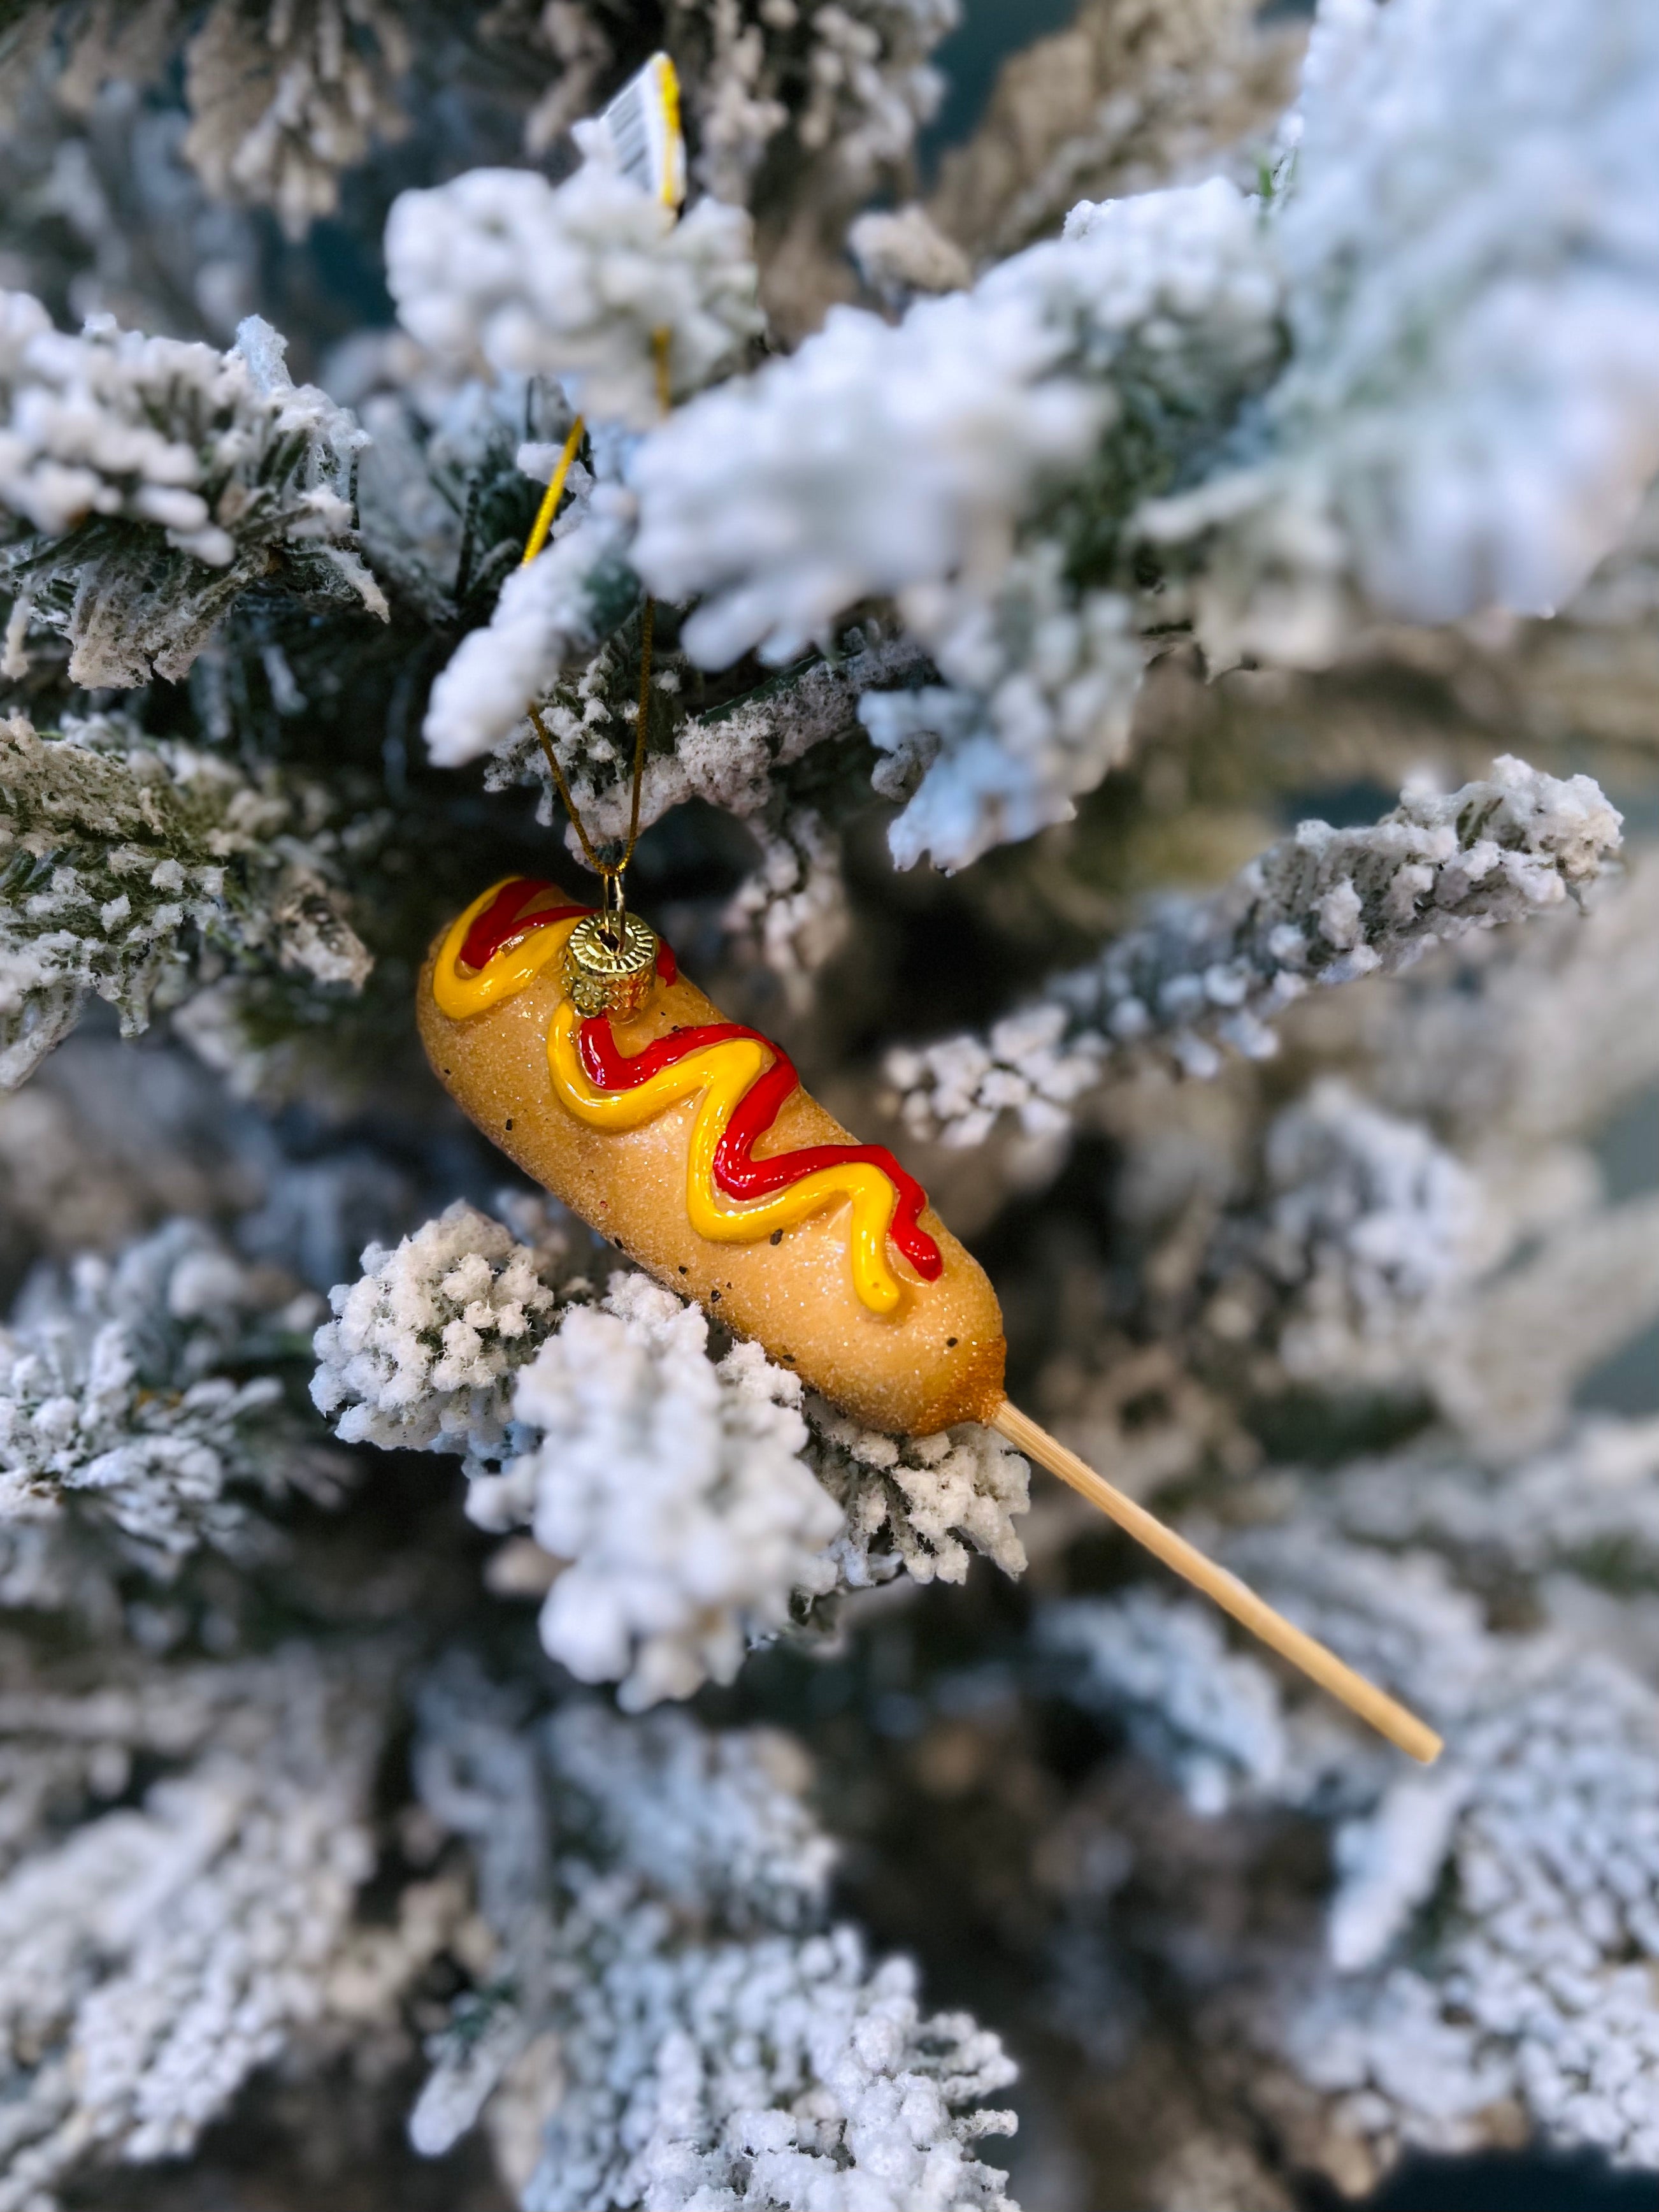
x=667, y=79
x=669, y=85
x=661, y=346
x=549, y=507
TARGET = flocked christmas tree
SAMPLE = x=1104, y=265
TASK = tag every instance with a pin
x=457, y=1706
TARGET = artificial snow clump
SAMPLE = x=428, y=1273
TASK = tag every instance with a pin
x=117, y=1411
x=1049, y=678
x=893, y=459
x=669, y=2021
x=902, y=253
x=701, y=1814
x=875, y=458
x=156, y=1954
x=733, y=757
x=135, y=870
x=1326, y=906
x=1033, y=1063
x=283, y=98
x=424, y=1346
x=160, y=480
x=682, y=1506
x=851, y=2100
x=920, y=1505
x=1538, y=1848
x=1210, y=1717
x=925, y=461
x=552, y=611
x=848, y=84
x=1470, y=414
x=790, y=912
x=1369, y=1231
x=1589, y=1502
x=593, y=281
x=673, y=1488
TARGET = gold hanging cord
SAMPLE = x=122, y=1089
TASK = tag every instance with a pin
x=646, y=134
x=610, y=872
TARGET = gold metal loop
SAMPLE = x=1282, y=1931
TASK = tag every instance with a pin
x=609, y=959
x=610, y=963
x=603, y=868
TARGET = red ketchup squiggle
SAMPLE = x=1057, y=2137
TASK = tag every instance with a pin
x=504, y=923
x=736, y=1171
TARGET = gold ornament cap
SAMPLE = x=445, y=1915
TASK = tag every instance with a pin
x=610, y=964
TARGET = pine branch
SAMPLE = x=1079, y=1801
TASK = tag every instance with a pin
x=134, y=1410
x=138, y=870
x=694, y=1509
x=223, y=1933
x=659, y=1895
x=1325, y=907
x=159, y=481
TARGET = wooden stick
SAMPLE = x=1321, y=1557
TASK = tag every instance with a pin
x=1385, y=1714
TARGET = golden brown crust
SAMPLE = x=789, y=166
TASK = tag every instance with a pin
x=937, y=1360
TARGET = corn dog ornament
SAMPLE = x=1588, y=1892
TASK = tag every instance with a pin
x=688, y=1141
x=572, y=1039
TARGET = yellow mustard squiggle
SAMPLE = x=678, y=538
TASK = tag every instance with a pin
x=719, y=1075
x=506, y=972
